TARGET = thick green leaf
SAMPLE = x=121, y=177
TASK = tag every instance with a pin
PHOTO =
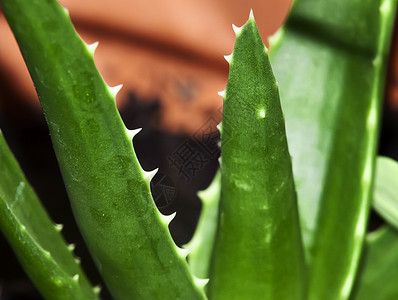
x=109, y=192
x=202, y=242
x=329, y=60
x=385, y=199
x=35, y=239
x=258, y=250
x=378, y=274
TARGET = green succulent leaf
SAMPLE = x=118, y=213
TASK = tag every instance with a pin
x=109, y=192
x=330, y=61
x=377, y=279
x=36, y=240
x=385, y=200
x=258, y=250
x=201, y=244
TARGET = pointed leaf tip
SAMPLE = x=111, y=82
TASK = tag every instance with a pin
x=92, y=47
x=251, y=15
x=114, y=90
x=150, y=174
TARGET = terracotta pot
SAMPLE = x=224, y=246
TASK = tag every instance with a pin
x=158, y=50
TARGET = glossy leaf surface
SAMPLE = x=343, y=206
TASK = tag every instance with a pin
x=201, y=245
x=258, y=251
x=377, y=279
x=36, y=240
x=109, y=192
x=329, y=60
x=385, y=200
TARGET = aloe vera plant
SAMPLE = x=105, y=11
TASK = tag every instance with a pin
x=257, y=238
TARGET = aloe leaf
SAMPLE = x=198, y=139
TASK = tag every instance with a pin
x=109, y=192
x=258, y=251
x=385, y=199
x=36, y=240
x=329, y=60
x=201, y=244
x=379, y=272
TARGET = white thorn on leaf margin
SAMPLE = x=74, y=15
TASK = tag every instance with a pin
x=167, y=219
x=228, y=58
x=97, y=289
x=251, y=15
x=236, y=29
x=71, y=247
x=200, y=282
x=58, y=227
x=76, y=277
x=66, y=10
x=183, y=252
x=133, y=132
x=150, y=174
x=115, y=89
x=222, y=93
x=91, y=47
x=276, y=38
